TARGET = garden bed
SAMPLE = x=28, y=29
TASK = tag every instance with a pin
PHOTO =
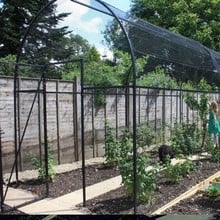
x=198, y=204
x=67, y=182
x=72, y=180
x=117, y=202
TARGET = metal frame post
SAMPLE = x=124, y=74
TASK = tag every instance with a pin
x=1, y=174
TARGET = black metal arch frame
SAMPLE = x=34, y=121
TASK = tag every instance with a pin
x=43, y=80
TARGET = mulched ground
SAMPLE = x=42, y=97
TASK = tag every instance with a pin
x=70, y=181
x=198, y=204
x=117, y=202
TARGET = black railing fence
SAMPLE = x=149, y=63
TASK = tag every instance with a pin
x=76, y=118
x=70, y=117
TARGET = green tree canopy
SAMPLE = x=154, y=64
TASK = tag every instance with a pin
x=196, y=19
x=44, y=38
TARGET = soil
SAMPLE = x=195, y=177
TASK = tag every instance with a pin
x=117, y=202
x=198, y=204
x=69, y=181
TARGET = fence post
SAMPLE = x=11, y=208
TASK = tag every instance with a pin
x=77, y=117
x=1, y=172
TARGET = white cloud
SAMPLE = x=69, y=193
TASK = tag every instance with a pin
x=86, y=23
x=105, y=53
x=77, y=21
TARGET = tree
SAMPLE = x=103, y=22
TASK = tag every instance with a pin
x=80, y=48
x=43, y=41
x=200, y=106
x=195, y=19
x=114, y=37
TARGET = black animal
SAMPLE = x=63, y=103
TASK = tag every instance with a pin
x=165, y=153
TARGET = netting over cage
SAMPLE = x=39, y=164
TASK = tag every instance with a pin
x=183, y=56
x=166, y=48
x=137, y=37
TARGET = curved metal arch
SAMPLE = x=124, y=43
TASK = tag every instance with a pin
x=33, y=21
x=134, y=103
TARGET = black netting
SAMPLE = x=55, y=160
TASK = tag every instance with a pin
x=163, y=46
x=180, y=55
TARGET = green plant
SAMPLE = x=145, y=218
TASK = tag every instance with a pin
x=157, y=78
x=185, y=139
x=215, y=153
x=145, y=135
x=111, y=147
x=7, y=68
x=201, y=105
x=125, y=150
x=120, y=152
x=146, y=179
x=213, y=190
x=176, y=172
x=41, y=167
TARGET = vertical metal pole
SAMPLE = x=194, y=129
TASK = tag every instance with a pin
x=39, y=123
x=163, y=115
x=116, y=113
x=75, y=118
x=19, y=125
x=93, y=125
x=180, y=106
x=139, y=105
x=45, y=130
x=82, y=133
x=1, y=174
x=15, y=122
x=127, y=105
x=134, y=141
x=155, y=113
x=171, y=112
x=148, y=105
x=176, y=106
x=58, y=122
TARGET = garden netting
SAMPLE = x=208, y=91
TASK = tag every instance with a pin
x=178, y=53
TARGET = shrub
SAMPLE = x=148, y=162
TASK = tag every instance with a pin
x=146, y=179
x=41, y=166
x=111, y=147
x=213, y=190
x=186, y=139
x=176, y=172
x=120, y=152
x=145, y=134
x=215, y=154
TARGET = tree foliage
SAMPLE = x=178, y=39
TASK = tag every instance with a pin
x=114, y=37
x=44, y=39
x=105, y=73
x=195, y=19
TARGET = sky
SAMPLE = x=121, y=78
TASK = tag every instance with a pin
x=89, y=23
